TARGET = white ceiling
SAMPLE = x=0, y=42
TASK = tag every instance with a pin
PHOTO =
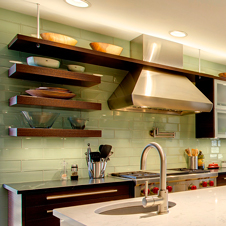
x=203, y=20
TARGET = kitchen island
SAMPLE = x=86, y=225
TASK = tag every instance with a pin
x=198, y=207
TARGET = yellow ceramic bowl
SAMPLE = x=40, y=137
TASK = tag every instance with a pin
x=59, y=38
x=106, y=48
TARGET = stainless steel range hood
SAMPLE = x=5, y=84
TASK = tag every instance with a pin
x=158, y=92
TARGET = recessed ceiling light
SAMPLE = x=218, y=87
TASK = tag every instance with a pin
x=179, y=34
x=78, y=3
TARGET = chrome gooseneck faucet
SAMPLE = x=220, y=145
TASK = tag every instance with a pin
x=162, y=199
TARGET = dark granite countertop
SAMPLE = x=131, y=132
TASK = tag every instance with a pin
x=20, y=188
x=220, y=170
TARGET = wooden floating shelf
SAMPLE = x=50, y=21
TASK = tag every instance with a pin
x=52, y=102
x=50, y=75
x=53, y=49
x=36, y=132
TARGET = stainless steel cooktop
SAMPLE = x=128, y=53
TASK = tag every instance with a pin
x=145, y=174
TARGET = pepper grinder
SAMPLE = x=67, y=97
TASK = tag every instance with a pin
x=74, y=172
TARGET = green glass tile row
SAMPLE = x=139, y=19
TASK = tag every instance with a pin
x=47, y=164
x=18, y=177
x=49, y=26
x=21, y=153
x=10, y=166
x=9, y=27
x=119, y=115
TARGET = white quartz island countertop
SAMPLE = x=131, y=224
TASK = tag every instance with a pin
x=205, y=207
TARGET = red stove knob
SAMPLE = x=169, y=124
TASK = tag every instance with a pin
x=204, y=184
x=169, y=188
x=155, y=190
x=143, y=191
x=211, y=183
x=193, y=187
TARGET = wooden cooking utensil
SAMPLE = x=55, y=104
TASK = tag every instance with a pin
x=196, y=152
x=188, y=151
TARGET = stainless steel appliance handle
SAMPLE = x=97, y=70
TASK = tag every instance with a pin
x=80, y=194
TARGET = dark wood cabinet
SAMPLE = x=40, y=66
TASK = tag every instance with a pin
x=36, y=207
x=212, y=124
x=221, y=179
x=205, y=122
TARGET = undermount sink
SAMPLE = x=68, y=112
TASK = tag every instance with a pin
x=128, y=208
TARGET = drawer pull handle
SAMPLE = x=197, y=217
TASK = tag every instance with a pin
x=49, y=211
x=80, y=194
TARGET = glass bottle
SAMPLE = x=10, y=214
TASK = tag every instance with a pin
x=64, y=171
x=201, y=161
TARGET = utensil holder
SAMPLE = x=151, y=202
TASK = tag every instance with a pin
x=192, y=162
x=96, y=169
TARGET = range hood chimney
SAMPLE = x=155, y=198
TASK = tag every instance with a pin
x=155, y=91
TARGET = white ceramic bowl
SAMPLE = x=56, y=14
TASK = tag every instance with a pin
x=76, y=68
x=42, y=61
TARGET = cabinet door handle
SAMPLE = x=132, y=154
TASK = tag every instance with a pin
x=49, y=211
x=80, y=194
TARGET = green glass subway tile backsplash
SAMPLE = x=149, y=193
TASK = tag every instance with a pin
x=9, y=27
x=49, y=26
x=10, y=166
x=120, y=115
x=95, y=37
x=25, y=159
x=120, y=134
x=18, y=177
x=127, y=132
x=20, y=153
x=45, y=164
x=5, y=37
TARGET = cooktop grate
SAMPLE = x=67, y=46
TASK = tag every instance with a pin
x=136, y=174
x=190, y=170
